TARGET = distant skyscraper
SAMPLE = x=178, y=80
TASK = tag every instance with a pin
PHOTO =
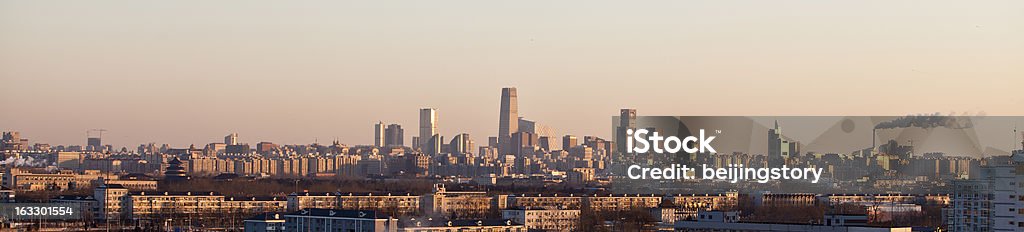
x=492, y=142
x=540, y=130
x=433, y=146
x=461, y=144
x=568, y=141
x=94, y=143
x=627, y=120
x=780, y=148
x=522, y=142
x=526, y=125
x=488, y=152
x=547, y=143
x=394, y=135
x=428, y=127
x=231, y=139
x=508, y=119
x=379, y=134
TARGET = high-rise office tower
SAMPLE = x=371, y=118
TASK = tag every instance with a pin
x=523, y=141
x=780, y=148
x=546, y=143
x=627, y=118
x=461, y=144
x=568, y=141
x=492, y=142
x=94, y=143
x=627, y=121
x=508, y=119
x=523, y=144
x=540, y=130
x=231, y=139
x=428, y=127
x=434, y=145
x=394, y=135
x=379, y=134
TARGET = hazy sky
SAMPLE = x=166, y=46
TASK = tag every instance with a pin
x=182, y=72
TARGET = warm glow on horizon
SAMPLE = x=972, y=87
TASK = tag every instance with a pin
x=291, y=72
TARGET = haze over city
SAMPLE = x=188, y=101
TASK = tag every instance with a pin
x=183, y=73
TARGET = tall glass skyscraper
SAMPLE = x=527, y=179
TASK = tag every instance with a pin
x=394, y=135
x=627, y=121
x=379, y=134
x=508, y=120
x=428, y=128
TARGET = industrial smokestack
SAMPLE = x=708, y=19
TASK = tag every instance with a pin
x=873, y=134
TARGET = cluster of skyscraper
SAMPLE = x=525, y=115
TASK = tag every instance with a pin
x=429, y=140
x=514, y=134
x=390, y=135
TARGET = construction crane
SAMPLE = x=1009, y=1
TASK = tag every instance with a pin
x=88, y=133
x=94, y=143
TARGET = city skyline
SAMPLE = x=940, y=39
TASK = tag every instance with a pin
x=431, y=116
x=291, y=73
x=664, y=115
x=428, y=121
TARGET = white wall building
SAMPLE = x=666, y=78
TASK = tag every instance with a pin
x=991, y=202
x=544, y=219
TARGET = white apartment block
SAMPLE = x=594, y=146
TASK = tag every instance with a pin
x=992, y=202
x=544, y=219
